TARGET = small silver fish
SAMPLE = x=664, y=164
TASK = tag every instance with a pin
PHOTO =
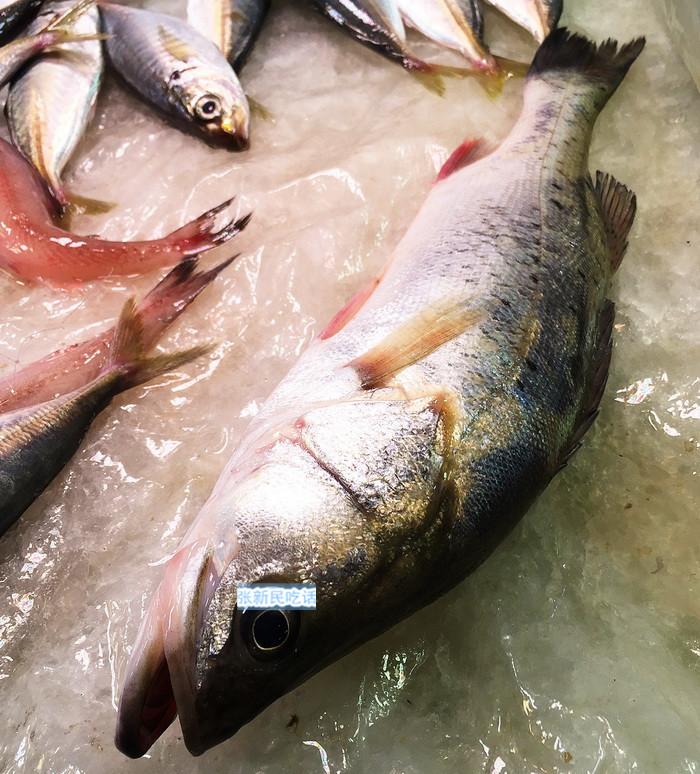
x=178, y=70
x=233, y=25
x=17, y=53
x=538, y=17
x=445, y=22
x=52, y=101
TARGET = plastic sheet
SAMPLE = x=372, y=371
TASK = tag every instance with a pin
x=577, y=646
x=683, y=18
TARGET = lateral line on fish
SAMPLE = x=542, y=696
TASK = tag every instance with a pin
x=414, y=340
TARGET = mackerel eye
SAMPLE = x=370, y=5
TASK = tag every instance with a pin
x=269, y=634
x=208, y=108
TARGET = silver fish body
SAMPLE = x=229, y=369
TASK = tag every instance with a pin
x=52, y=101
x=233, y=25
x=178, y=70
x=415, y=431
x=538, y=17
x=446, y=23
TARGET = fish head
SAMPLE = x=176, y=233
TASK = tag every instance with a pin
x=217, y=664
x=217, y=106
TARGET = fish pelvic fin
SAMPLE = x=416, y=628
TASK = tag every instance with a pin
x=127, y=359
x=414, y=340
x=603, y=65
x=466, y=153
x=595, y=387
x=618, y=206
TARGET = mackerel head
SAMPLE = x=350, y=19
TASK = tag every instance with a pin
x=415, y=431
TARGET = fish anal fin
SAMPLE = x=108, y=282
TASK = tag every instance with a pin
x=599, y=368
x=414, y=340
x=468, y=152
x=348, y=312
x=618, y=206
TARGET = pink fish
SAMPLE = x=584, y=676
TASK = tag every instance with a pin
x=33, y=248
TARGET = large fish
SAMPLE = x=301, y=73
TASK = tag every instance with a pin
x=178, y=70
x=416, y=431
x=58, y=30
x=52, y=101
x=33, y=248
x=452, y=25
x=538, y=17
x=14, y=14
x=47, y=408
x=234, y=25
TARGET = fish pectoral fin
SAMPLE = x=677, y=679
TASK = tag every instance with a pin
x=467, y=153
x=618, y=206
x=176, y=47
x=259, y=110
x=414, y=340
x=82, y=205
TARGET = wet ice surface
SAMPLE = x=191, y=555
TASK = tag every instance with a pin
x=576, y=647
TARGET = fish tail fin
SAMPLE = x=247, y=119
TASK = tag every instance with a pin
x=603, y=66
x=127, y=359
x=202, y=234
x=172, y=295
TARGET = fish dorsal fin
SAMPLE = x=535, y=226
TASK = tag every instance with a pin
x=415, y=339
x=467, y=153
x=618, y=206
x=175, y=46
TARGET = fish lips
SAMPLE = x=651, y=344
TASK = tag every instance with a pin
x=175, y=671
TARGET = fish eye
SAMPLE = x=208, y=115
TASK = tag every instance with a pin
x=269, y=633
x=208, y=107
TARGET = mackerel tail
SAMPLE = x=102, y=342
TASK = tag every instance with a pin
x=36, y=442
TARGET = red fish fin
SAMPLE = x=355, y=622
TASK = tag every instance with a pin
x=618, y=206
x=413, y=341
x=126, y=355
x=172, y=295
x=202, y=234
x=343, y=317
x=468, y=152
x=600, y=367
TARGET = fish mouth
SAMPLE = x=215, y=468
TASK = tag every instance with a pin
x=143, y=719
x=160, y=683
